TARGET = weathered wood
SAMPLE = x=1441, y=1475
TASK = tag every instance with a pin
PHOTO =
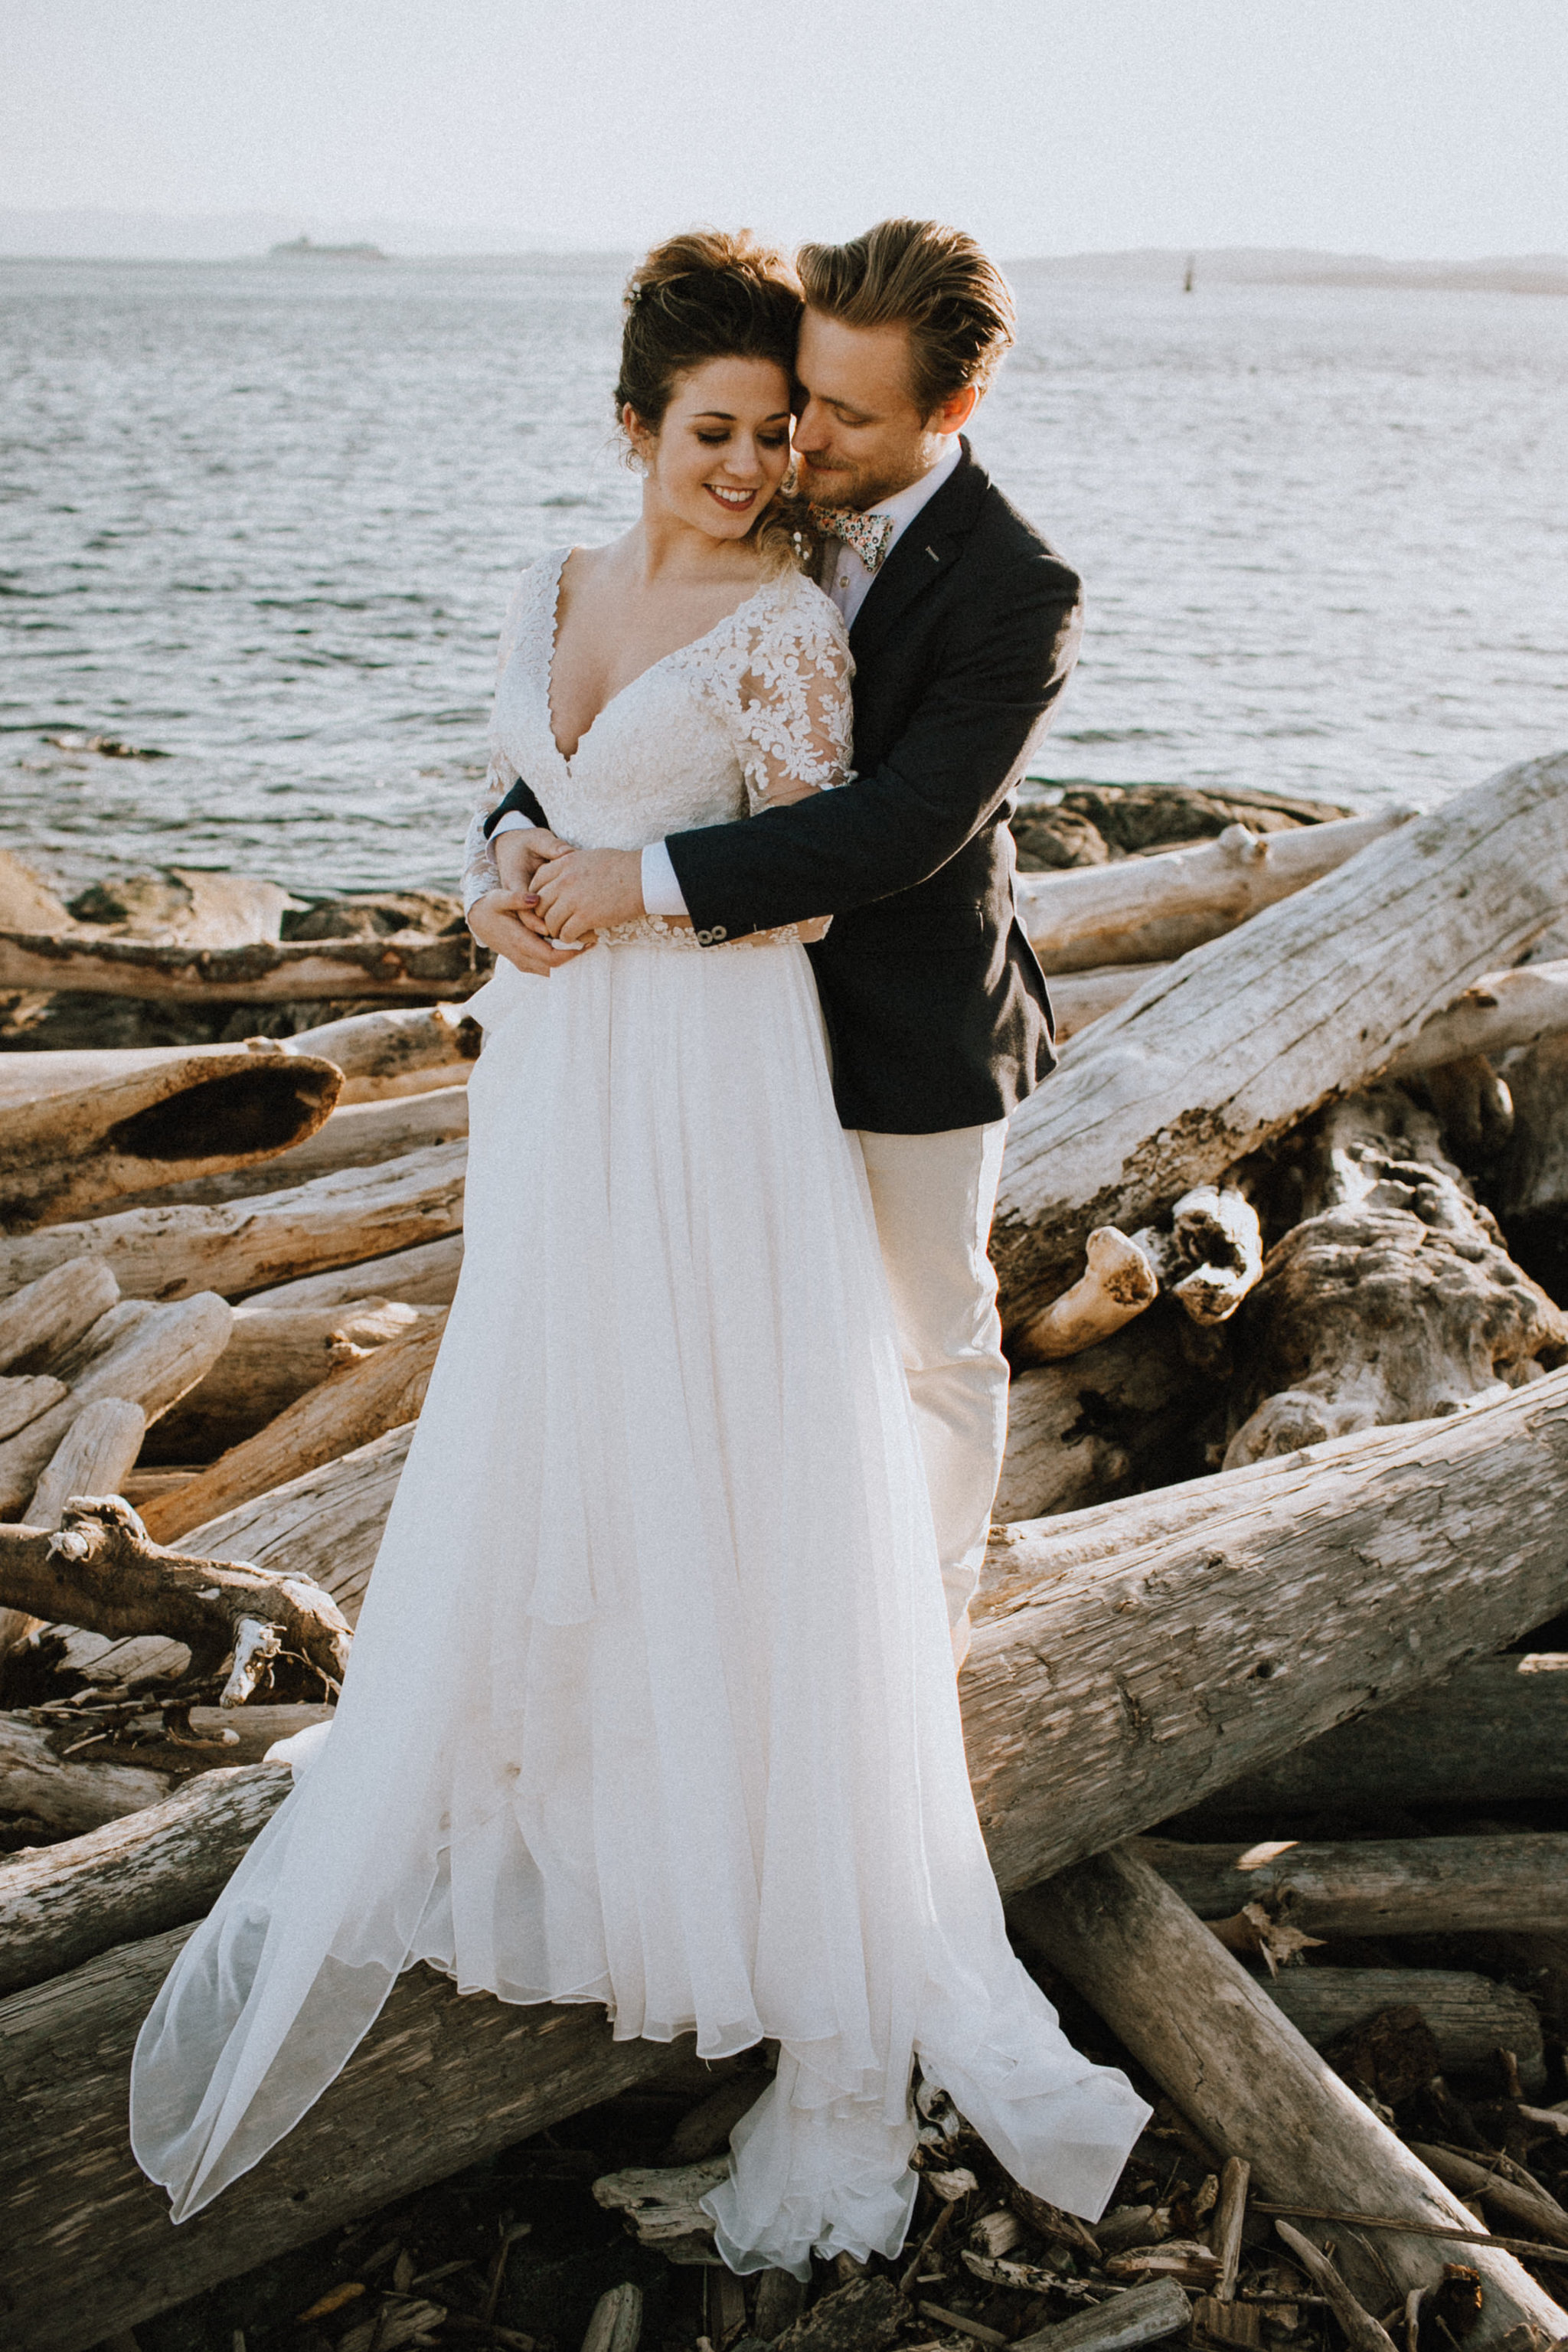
x=406, y=964
x=67, y=1793
x=439, y=2083
x=185, y=904
x=1375, y=1887
x=1236, y=2066
x=1079, y=999
x=1086, y=1429
x=325, y=1525
x=91, y=1458
x=161, y=1866
x=1532, y=1191
x=1174, y=1089
x=1494, y=1733
x=23, y=1400
x=63, y=1153
x=1151, y=909
x=101, y=1571
x=1470, y=2017
x=1133, y=1686
x=426, y=1276
x=1522, y=2203
x=382, y=1055
x=1208, y=1253
x=1118, y=1282
x=255, y=1246
x=1392, y=1299
x=1143, y=2314
x=152, y=1355
x=275, y=1355
x=362, y=1136
x=1500, y=1010
x=39, y=1321
x=360, y=1402
x=1362, y=2332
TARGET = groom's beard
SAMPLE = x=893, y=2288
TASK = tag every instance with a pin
x=845, y=484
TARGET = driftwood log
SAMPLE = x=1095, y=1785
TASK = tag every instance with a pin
x=1239, y=2071
x=274, y=1356
x=1172, y=1091
x=325, y=1525
x=426, y=1276
x=1148, y=909
x=63, y=1153
x=147, y=1355
x=1532, y=1189
x=1397, y=1887
x=1470, y=2017
x=1494, y=1733
x=359, y=1402
x=1118, y=1414
x=406, y=964
x=254, y=1246
x=1393, y=1300
x=1092, y=1705
x=93, y=1457
x=101, y=1571
x=67, y=1793
x=362, y=1136
x=401, y=1051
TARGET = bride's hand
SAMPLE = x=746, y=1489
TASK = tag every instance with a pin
x=589, y=891
x=500, y=921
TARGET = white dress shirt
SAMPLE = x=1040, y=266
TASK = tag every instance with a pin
x=848, y=582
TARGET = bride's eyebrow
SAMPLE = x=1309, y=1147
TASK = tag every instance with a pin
x=727, y=416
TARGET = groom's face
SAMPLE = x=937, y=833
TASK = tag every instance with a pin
x=860, y=436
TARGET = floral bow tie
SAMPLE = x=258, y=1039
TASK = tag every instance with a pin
x=868, y=534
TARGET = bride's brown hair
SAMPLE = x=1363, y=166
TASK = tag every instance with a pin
x=713, y=295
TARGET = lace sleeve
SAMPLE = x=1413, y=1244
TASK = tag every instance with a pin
x=479, y=873
x=795, y=707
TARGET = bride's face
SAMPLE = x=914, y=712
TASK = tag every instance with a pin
x=722, y=449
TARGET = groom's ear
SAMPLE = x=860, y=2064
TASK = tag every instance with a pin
x=952, y=414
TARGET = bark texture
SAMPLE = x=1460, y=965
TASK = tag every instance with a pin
x=1172, y=1091
x=1393, y=1886
x=400, y=964
x=363, y=1135
x=426, y=1276
x=274, y=1357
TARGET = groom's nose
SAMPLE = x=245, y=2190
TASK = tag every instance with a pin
x=813, y=432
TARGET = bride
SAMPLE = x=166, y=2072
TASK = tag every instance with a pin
x=652, y=1701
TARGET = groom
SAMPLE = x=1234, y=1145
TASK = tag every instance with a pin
x=964, y=626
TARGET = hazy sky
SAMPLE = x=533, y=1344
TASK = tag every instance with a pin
x=1403, y=127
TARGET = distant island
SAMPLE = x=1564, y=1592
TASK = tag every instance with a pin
x=300, y=248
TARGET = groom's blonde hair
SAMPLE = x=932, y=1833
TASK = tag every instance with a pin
x=953, y=299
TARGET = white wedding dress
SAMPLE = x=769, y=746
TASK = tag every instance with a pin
x=652, y=1701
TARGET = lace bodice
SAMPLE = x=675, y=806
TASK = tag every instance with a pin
x=710, y=732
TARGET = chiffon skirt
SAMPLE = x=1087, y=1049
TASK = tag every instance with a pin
x=652, y=1702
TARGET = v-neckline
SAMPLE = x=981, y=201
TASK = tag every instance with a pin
x=567, y=758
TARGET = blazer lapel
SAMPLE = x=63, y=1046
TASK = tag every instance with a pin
x=932, y=542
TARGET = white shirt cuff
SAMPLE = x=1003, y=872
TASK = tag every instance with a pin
x=661, y=893
x=514, y=821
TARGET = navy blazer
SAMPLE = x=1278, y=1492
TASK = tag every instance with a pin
x=935, y=1006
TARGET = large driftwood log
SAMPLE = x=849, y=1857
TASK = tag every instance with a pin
x=68, y=1794
x=363, y=1136
x=406, y=964
x=1139, y=1683
x=1121, y=1414
x=1391, y=1886
x=1470, y=2017
x=40, y=1321
x=358, y=1402
x=394, y=1053
x=93, y=1457
x=1173, y=1090
x=1392, y=1300
x=254, y=1246
x=275, y=1356
x=99, y=1571
x=439, y=2083
x=1151, y=909
x=136, y=1875
x=182, y=904
x=148, y=1355
x=23, y=1399
x=63, y=1153
x=1494, y=1733
x=426, y=1276
x=1238, y=2069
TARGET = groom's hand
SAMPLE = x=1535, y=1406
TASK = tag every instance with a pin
x=589, y=890
x=507, y=925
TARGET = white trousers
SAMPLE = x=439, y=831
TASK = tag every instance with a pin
x=933, y=1196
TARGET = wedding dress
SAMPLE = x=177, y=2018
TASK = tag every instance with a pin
x=652, y=1702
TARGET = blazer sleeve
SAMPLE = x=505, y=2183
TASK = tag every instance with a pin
x=1008, y=657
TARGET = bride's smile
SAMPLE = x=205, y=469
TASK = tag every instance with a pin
x=721, y=449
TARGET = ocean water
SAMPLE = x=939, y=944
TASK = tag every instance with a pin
x=262, y=520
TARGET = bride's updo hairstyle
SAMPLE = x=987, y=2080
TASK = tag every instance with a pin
x=710, y=295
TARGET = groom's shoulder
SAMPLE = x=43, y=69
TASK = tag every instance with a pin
x=1003, y=541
